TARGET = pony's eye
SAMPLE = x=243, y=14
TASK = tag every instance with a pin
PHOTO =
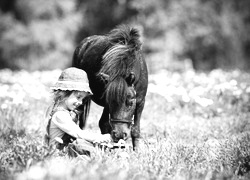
x=129, y=97
x=130, y=101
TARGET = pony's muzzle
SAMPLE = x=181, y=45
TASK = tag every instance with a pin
x=116, y=135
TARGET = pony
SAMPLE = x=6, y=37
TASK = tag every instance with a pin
x=118, y=78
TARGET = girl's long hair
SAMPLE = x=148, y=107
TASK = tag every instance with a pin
x=58, y=97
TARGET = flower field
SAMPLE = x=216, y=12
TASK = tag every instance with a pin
x=194, y=126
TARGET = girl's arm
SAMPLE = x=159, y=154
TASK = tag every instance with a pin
x=64, y=121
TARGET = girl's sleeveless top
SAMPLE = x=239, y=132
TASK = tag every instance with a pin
x=50, y=135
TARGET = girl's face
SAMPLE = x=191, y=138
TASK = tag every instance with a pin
x=75, y=99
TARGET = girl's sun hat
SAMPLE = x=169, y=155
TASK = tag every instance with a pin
x=72, y=79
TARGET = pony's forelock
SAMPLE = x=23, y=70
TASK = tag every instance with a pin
x=116, y=92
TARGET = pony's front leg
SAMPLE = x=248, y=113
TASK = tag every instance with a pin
x=104, y=122
x=135, y=130
x=135, y=135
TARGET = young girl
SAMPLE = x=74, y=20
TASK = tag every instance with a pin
x=70, y=91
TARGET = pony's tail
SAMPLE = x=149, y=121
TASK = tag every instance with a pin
x=84, y=109
x=126, y=36
x=75, y=59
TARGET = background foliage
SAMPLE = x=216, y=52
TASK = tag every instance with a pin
x=209, y=34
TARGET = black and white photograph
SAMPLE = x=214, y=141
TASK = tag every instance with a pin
x=124, y=89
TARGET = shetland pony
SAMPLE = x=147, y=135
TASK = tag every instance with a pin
x=118, y=78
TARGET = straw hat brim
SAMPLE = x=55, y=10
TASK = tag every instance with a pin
x=72, y=86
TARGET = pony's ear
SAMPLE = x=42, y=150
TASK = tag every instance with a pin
x=104, y=77
x=131, y=79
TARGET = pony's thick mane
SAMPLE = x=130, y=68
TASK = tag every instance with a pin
x=119, y=60
x=120, y=57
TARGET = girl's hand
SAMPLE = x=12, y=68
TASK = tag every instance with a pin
x=103, y=138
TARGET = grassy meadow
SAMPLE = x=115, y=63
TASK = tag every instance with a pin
x=194, y=126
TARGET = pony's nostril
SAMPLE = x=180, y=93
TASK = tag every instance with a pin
x=125, y=135
x=114, y=134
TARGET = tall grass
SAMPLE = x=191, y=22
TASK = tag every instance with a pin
x=194, y=126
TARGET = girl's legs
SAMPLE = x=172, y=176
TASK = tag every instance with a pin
x=81, y=147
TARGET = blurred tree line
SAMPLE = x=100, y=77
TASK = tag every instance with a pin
x=42, y=34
